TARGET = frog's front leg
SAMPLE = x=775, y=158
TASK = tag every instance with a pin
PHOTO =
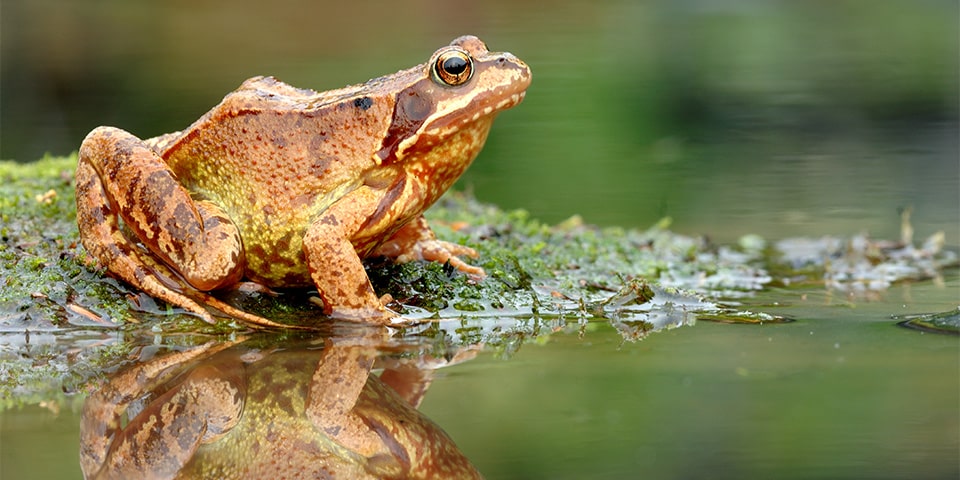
x=119, y=177
x=370, y=419
x=336, y=267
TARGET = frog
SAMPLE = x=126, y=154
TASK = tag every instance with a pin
x=284, y=188
x=234, y=409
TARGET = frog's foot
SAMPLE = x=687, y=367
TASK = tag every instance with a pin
x=441, y=251
x=368, y=315
x=254, y=321
x=196, y=301
x=246, y=288
x=416, y=241
x=371, y=316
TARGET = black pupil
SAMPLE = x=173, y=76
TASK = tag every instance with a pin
x=454, y=65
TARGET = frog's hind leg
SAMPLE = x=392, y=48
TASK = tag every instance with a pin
x=102, y=236
x=120, y=178
x=195, y=238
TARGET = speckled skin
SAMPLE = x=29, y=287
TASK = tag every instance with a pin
x=289, y=187
x=227, y=411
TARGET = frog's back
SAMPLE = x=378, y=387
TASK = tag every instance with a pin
x=273, y=140
x=273, y=156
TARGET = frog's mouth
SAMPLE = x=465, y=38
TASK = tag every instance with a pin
x=439, y=129
x=491, y=106
x=488, y=106
x=433, y=132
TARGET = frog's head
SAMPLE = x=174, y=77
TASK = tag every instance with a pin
x=452, y=103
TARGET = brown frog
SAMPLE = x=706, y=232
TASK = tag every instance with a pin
x=288, y=187
x=231, y=410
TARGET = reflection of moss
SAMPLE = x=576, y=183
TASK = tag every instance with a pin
x=943, y=322
x=742, y=317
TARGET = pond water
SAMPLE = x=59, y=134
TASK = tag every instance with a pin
x=776, y=118
x=842, y=392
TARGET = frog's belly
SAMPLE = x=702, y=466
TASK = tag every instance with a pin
x=272, y=236
x=277, y=264
x=273, y=251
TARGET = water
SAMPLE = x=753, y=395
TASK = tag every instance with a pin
x=731, y=117
x=842, y=392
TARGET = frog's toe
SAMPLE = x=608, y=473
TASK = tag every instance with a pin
x=475, y=273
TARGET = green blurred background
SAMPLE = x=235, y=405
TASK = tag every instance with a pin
x=775, y=117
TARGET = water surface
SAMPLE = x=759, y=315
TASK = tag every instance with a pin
x=842, y=392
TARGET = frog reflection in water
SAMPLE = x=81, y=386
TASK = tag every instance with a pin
x=288, y=187
x=232, y=411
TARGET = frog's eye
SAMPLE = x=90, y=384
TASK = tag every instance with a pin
x=453, y=67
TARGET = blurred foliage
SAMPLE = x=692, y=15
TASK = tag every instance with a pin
x=655, y=107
